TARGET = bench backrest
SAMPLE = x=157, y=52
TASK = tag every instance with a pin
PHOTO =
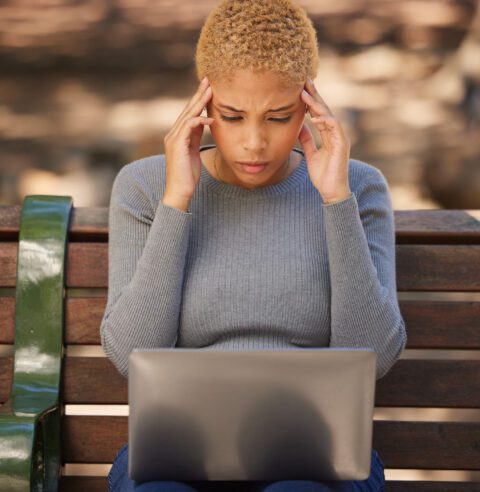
x=438, y=251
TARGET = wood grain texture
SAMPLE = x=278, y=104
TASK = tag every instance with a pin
x=438, y=268
x=430, y=486
x=410, y=383
x=437, y=250
x=442, y=324
x=82, y=484
x=418, y=267
x=430, y=324
x=99, y=484
x=420, y=445
x=411, y=226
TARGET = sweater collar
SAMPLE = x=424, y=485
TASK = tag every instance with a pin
x=289, y=183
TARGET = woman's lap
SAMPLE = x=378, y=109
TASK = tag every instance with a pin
x=119, y=481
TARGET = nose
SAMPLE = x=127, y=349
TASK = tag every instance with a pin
x=255, y=139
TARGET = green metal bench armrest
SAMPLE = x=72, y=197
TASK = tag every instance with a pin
x=30, y=419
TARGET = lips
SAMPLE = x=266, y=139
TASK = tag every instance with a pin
x=254, y=168
x=253, y=163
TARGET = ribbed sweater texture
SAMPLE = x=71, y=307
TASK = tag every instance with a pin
x=273, y=267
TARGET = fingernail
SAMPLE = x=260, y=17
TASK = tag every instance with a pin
x=305, y=93
x=204, y=79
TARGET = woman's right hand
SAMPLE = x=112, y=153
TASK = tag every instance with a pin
x=182, y=150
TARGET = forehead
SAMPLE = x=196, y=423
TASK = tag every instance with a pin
x=242, y=79
x=248, y=89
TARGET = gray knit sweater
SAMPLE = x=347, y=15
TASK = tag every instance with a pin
x=272, y=267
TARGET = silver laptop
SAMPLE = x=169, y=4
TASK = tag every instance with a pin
x=288, y=414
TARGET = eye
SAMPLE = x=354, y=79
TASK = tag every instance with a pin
x=226, y=118
x=281, y=120
x=236, y=118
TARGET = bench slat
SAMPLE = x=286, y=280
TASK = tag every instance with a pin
x=437, y=250
x=430, y=324
x=438, y=268
x=415, y=383
x=410, y=383
x=430, y=383
x=8, y=264
x=81, y=484
x=428, y=445
x=99, y=484
x=429, y=486
x=441, y=226
x=442, y=324
x=420, y=445
x=419, y=267
x=443, y=268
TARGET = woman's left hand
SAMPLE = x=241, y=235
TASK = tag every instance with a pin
x=328, y=165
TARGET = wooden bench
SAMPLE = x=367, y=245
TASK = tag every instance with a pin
x=437, y=251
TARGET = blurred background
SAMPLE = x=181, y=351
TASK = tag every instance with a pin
x=86, y=87
x=89, y=86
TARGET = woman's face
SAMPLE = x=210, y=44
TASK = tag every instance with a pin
x=257, y=118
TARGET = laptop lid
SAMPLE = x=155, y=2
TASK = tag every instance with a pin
x=289, y=414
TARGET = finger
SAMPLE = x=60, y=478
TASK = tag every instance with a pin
x=191, y=124
x=183, y=131
x=196, y=104
x=199, y=98
x=197, y=120
x=202, y=87
x=311, y=89
x=192, y=111
x=205, y=89
x=316, y=104
x=308, y=143
x=331, y=131
x=197, y=131
x=329, y=124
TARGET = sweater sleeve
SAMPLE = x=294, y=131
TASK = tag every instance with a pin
x=360, y=234
x=146, y=260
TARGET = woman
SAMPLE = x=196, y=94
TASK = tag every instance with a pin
x=251, y=243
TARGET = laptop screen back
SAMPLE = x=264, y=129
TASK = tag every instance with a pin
x=290, y=414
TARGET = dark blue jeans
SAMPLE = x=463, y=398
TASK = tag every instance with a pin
x=119, y=481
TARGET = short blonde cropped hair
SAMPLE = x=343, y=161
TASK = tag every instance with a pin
x=261, y=35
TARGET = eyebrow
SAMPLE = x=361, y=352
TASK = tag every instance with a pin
x=282, y=108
